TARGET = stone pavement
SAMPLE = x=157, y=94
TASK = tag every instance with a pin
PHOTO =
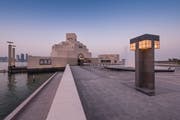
x=39, y=106
x=110, y=95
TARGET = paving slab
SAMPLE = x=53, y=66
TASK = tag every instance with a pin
x=110, y=95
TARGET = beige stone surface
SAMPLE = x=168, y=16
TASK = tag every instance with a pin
x=33, y=62
x=66, y=52
x=66, y=104
x=113, y=58
x=70, y=48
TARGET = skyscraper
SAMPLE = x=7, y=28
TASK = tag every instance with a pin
x=22, y=57
x=17, y=58
x=26, y=57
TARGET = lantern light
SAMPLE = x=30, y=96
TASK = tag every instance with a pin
x=144, y=46
x=133, y=46
x=156, y=44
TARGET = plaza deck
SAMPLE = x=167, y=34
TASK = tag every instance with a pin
x=110, y=95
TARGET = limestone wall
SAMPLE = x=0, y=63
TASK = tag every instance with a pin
x=94, y=60
x=70, y=48
x=113, y=58
x=66, y=52
x=34, y=62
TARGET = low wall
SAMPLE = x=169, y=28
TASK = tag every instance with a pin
x=34, y=62
x=66, y=104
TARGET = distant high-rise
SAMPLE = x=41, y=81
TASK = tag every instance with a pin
x=22, y=57
x=26, y=57
x=17, y=58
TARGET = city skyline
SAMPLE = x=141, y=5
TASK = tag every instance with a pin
x=105, y=26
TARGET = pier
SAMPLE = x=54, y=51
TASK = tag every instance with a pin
x=38, y=107
x=38, y=99
x=53, y=100
x=91, y=92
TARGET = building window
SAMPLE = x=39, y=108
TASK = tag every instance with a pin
x=45, y=62
x=105, y=61
x=80, y=46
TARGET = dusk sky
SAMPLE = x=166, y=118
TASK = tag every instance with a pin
x=104, y=26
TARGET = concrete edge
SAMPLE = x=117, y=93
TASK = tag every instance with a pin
x=67, y=104
x=78, y=95
x=130, y=69
x=27, y=100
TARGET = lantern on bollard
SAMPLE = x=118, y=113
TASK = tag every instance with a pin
x=144, y=62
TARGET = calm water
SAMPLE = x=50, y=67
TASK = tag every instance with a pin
x=16, y=88
x=3, y=65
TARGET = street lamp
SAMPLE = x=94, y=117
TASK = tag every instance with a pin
x=144, y=61
x=144, y=44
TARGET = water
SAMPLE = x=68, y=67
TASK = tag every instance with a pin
x=17, y=87
x=3, y=65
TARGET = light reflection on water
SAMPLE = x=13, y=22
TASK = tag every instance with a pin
x=17, y=87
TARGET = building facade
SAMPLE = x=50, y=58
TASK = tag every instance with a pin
x=71, y=48
x=108, y=58
x=70, y=52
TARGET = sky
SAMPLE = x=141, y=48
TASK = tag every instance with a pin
x=104, y=26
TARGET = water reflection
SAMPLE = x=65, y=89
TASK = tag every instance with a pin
x=12, y=82
x=15, y=88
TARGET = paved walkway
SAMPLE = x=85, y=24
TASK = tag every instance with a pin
x=110, y=95
x=39, y=107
